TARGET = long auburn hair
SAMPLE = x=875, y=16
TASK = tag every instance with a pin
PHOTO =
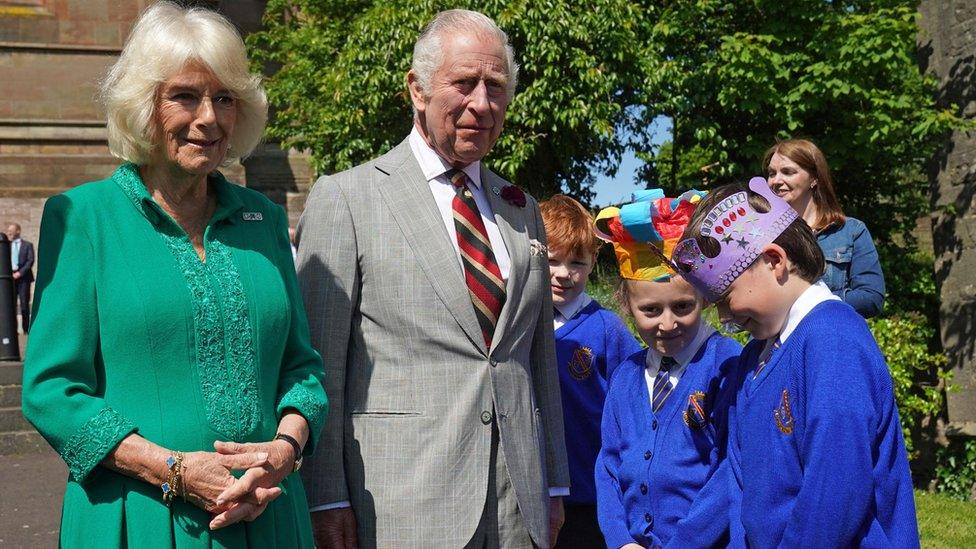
x=809, y=157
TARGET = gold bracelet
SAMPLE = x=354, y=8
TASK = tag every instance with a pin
x=174, y=482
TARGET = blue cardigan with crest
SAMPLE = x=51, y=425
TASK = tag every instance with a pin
x=588, y=349
x=816, y=451
x=652, y=467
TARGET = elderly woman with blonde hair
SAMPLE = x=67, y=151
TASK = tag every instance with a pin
x=169, y=364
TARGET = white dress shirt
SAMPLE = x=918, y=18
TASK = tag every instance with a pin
x=435, y=170
x=565, y=312
x=682, y=358
x=15, y=254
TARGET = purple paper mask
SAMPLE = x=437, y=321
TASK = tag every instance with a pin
x=740, y=231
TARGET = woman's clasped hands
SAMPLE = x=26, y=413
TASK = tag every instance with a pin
x=209, y=484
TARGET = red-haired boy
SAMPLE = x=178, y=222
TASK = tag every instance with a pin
x=590, y=342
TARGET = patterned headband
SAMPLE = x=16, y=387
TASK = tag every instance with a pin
x=741, y=232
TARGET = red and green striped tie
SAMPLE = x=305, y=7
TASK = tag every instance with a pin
x=481, y=272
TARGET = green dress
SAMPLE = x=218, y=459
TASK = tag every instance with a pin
x=133, y=333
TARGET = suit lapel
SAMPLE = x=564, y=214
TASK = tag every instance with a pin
x=408, y=197
x=511, y=224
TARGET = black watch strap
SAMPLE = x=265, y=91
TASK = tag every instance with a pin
x=294, y=444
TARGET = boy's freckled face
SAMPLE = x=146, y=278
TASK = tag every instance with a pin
x=752, y=302
x=667, y=314
x=567, y=275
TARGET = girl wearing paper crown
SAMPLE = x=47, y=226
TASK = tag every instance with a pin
x=663, y=427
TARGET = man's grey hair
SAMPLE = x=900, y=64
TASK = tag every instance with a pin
x=428, y=52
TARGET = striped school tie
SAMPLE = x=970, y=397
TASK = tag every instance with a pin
x=481, y=272
x=765, y=357
x=662, y=383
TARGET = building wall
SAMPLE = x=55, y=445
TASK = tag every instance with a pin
x=53, y=53
x=947, y=44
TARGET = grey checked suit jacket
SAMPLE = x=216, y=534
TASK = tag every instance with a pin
x=409, y=380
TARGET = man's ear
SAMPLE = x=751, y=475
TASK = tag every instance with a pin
x=775, y=258
x=416, y=93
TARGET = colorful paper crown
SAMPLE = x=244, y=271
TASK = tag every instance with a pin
x=645, y=231
x=741, y=233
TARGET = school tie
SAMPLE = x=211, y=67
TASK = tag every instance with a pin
x=481, y=272
x=662, y=383
x=765, y=357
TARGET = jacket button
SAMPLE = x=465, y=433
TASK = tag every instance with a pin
x=486, y=417
x=647, y=454
x=643, y=488
x=648, y=518
x=654, y=425
x=493, y=362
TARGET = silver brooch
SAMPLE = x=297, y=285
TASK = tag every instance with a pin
x=253, y=216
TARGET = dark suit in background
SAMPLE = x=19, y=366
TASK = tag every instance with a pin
x=25, y=266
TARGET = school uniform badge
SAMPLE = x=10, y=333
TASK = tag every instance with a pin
x=783, y=414
x=694, y=415
x=581, y=365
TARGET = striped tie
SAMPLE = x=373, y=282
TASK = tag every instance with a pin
x=765, y=357
x=481, y=273
x=662, y=383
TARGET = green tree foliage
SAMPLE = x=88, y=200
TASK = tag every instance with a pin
x=338, y=85
x=737, y=76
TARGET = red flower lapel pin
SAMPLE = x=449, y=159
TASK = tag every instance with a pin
x=513, y=195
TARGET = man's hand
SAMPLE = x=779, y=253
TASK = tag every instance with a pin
x=17, y=275
x=335, y=529
x=557, y=516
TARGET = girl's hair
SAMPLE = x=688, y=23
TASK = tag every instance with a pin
x=797, y=240
x=809, y=157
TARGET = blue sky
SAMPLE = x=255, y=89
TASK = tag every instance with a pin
x=618, y=189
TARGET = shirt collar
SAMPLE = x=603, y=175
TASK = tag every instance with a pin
x=810, y=298
x=431, y=163
x=571, y=309
x=128, y=178
x=684, y=356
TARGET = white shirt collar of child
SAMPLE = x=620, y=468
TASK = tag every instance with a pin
x=682, y=357
x=567, y=311
x=810, y=298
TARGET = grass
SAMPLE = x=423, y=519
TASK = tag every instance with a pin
x=945, y=522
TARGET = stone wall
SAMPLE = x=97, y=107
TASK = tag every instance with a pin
x=947, y=46
x=53, y=53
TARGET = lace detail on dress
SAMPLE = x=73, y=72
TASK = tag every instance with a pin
x=96, y=438
x=221, y=321
x=310, y=405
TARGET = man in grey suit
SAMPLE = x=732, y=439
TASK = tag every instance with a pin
x=445, y=427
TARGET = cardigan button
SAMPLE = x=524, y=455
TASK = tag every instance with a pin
x=647, y=455
x=654, y=425
x=649, y=519
x=643, y=488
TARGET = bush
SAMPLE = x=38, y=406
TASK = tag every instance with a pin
x=955, y=471
x=904, y=339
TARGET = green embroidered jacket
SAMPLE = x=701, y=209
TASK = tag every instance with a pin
x=133, y=333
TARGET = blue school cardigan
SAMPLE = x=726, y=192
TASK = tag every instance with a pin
x=588, y=349
x=652, y=467
x=815, y=443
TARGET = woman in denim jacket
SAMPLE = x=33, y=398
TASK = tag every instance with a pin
x=798, y=172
